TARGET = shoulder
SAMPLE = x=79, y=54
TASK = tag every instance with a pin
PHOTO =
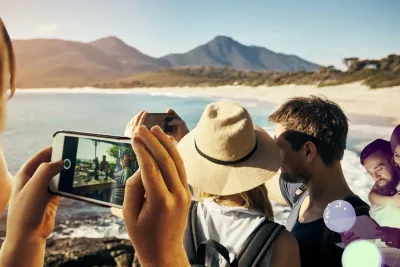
x=285, y=240
x=360, y=206
x=285, y=244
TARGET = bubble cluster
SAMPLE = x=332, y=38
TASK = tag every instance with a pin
x=339, y=216
x=362, y=253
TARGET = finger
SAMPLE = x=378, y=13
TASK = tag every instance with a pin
x=380, y=234
x=354, y=238
x=117, y=212
x=383, y=228
x=152, y=180
x=44, y=173
x=173, y=152
x=172, y=112
x=30, y=167
x=347, y=235
x=176, y=122
x=163, y=159
x=135, y=119
x=133, y=199
x=33, y=163
x=142, y=118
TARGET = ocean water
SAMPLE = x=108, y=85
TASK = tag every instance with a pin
x=35, y=116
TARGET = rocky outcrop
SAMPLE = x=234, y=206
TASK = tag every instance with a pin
x=89, y=252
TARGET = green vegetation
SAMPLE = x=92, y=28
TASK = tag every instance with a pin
x=215, y=76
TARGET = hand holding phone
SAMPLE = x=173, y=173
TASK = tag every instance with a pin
x=180, y=128
x=31, y=212
x=365, y=228
x=157, y=200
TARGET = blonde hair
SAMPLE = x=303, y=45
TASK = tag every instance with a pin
x=7, y=63
x=256, y=198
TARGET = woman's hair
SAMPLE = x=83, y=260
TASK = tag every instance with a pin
x=256, y=198
x=7, y=62
x=395, y=138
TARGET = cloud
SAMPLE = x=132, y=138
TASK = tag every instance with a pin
x=47, y=29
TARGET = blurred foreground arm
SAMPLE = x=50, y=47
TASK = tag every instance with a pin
x=5, y=183
x=31, y=214
x=157, y=200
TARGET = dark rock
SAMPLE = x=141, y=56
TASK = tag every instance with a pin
x=89, y=252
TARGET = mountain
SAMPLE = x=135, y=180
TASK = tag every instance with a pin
x=132, y=59
x=62, y=63
x=59, y=63
x=224, y=51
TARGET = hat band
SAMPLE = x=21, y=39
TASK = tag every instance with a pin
x=222, y=162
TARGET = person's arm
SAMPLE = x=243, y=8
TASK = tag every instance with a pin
x=5, y=183
x=274, y=191
x=376, y=199
x=26, y=236
x=157, y=201
x=285, y=251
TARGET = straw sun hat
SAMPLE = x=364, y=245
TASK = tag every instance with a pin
x=226, y=154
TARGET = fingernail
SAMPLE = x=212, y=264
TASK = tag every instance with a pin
x=137, y=139
x=143, y=128
x=156, y=128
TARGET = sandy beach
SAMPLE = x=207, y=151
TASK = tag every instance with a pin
x=353, y=98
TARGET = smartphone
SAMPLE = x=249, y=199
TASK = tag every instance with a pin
x=364, y=227
x=160, y=119
x=96, y=167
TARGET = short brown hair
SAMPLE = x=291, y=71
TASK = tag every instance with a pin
x=320, y=119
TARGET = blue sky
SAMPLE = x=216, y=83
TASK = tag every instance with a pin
x=320, y=31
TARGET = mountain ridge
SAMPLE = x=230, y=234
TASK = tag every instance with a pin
x=52, y=62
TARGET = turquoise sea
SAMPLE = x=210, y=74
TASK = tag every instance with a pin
x=34, y=117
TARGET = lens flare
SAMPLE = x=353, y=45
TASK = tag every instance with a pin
x=362, y=253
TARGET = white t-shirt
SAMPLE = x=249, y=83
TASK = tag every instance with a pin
x=230, y=226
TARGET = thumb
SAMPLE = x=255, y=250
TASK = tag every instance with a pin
x=44, y=174
x=134, y=197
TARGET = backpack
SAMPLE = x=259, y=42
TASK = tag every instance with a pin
x=252, y=252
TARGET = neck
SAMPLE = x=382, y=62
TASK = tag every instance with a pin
x=327, y=185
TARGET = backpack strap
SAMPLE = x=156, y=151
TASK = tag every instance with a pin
x=202, y=253
x=190, y=235
x=258, y=243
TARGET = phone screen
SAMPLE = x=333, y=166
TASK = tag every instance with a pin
x=160, y=119
x=96, y=169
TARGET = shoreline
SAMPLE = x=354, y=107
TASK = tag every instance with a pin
x=353, y=98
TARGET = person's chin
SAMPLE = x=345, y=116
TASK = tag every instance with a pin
x=288, y=179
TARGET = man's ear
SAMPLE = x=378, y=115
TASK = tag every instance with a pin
x=310, y=150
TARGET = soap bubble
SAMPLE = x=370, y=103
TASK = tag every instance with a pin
x=339, y=216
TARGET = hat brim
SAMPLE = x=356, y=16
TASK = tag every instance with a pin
x=223, y=180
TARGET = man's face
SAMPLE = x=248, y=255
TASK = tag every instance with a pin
x=396, y=155
x=379, y=168
x=293, y=168
x=125, y=163
x=104, y=158
x=117, y=162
